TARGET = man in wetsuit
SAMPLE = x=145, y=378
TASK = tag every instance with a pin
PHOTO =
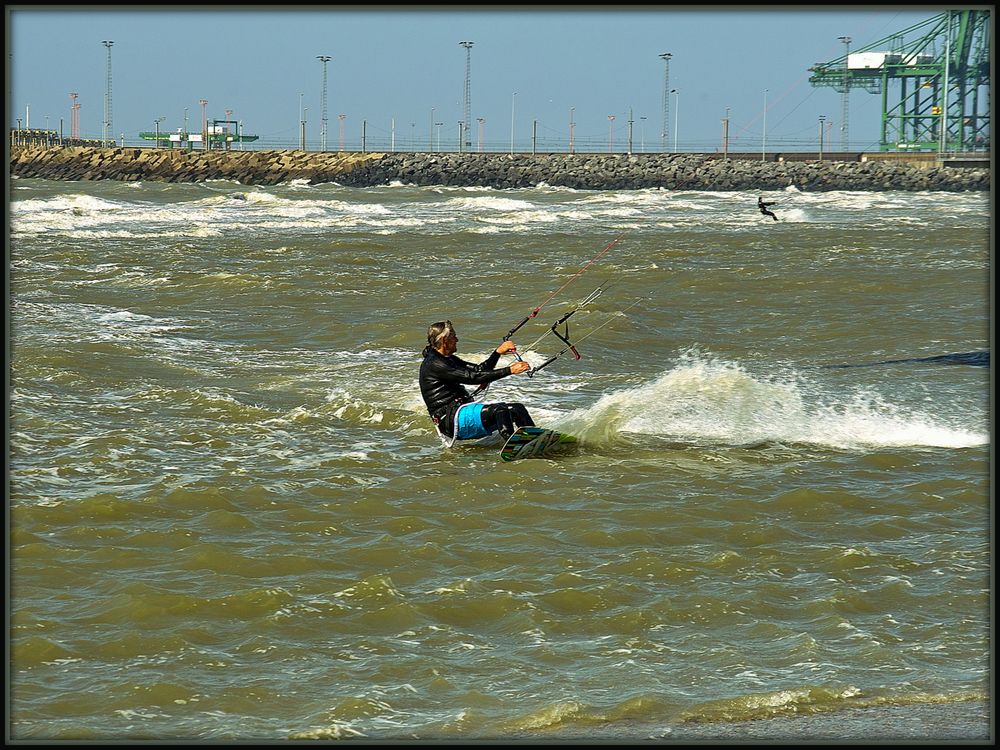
x=442, y=376
x=763, y=208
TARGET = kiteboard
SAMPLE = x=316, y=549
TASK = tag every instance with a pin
x=535, y=442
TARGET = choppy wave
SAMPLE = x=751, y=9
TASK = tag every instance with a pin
x=712, y=401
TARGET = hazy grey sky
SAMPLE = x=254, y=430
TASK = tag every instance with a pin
x=397, y=64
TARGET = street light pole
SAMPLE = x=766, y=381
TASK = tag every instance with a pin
x=666, y=98
x=482, y=125
x=642, y=134
x=157, y=122
x=466, y=137
x=323, y=129
x=846, y=100
x=512, y=122
x=630, y=121
x=822, y=119
x=108, y=127
x=677, y=112
x=611, y=136
x=204, y=123
x=571, y=126
x=301, y=136
x=763, y=136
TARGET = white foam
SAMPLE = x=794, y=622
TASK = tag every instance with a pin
x=704, y=400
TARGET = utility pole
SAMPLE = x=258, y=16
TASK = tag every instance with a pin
x=630, y=121
x=571, y=126
x=74, y=117
x=157, y=122
x=108, y=127
x=677, y=114
x=204, y=124
x=822, y=119
x=846, y=100
x=322, y=105
x=666, y=99
x=763, y=136
x=725, y=136
x=467, y=121
x=512, y=122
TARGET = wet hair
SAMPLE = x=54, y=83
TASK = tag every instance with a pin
x=438, y=332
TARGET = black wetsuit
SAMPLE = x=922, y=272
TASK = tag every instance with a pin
x=441, y=381
x=763, y=208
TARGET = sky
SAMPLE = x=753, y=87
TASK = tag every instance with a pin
x=398, y=74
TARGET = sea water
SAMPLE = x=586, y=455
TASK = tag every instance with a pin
x=230, y=516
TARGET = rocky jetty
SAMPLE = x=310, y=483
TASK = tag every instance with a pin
x=502, y=171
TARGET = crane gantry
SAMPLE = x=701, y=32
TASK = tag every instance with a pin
x=941, y=71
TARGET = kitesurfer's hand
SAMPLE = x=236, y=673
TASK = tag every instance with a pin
x=506, y=346
x=519, y=367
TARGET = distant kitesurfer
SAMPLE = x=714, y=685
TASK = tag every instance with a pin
x=763, y=208
x=442, y=376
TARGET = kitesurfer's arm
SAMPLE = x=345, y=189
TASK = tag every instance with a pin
x=455, y=370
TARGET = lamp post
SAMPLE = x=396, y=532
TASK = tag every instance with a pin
x=466, y=137
x=630, y=121
x=301, y=138
x=845, y=101
x=822, y=119
x=439, y=124
x=482, y=126
x=157, y=122
x=512, y=122
x=322, y=105
x=642, y=134
x=108, y=120
x=666, y=98
x=572, y=125
x=611, y=134
x=763, y=133
x=204, y=124
x=677, y=112
x=431, y=135
x=302, y=133
x=725, y=136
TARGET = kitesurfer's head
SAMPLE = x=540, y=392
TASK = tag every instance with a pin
x=442, y=337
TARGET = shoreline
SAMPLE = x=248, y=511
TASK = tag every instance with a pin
x=739, y=172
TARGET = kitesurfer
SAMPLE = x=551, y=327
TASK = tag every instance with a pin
x=763, y=208
x=442, y=376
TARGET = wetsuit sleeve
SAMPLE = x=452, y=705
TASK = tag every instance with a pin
x=455, y=370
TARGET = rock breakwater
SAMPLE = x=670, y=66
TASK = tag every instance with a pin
x=501, y=171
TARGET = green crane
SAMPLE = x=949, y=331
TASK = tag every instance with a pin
x=942, y=68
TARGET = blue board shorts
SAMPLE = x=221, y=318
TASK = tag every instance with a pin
x=469, y=422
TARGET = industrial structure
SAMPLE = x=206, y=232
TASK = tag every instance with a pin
x=218, y=135
x=940, y=72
